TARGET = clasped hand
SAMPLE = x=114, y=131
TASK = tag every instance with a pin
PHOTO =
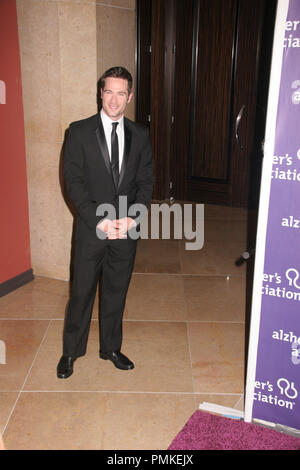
x=117, y=228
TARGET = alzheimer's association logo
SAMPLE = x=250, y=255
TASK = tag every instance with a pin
x=2, y=92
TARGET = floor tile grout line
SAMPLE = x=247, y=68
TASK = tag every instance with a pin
x=30, y=319
x=143, y=273
x=239, y=400
x=191, y=363
x=192, y=274
x=26, y=378
x=182, y=321
x=187, y=331
x=133, y=392
x=113, y=6
x=237, y=394
x=162, y=274
x=138, y=392
x=186, y=325
x=132, y=320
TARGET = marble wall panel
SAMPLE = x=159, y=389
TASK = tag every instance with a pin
x=116, y=41
x=50, y=219
x=65, y=45
x=77, y=28
x=40, y=64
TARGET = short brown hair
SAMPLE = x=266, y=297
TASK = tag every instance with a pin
x=116, y=72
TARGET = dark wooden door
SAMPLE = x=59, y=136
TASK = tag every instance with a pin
x=203, y=59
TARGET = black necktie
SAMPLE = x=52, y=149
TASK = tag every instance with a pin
x=115, y=153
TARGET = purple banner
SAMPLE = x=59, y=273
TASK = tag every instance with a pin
x=276, y=395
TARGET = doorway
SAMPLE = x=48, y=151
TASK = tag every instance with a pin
x=202, y=75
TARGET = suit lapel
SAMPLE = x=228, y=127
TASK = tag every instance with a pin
x=103, y=145
x=127, y=145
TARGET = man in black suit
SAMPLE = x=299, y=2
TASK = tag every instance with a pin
x=107, y=159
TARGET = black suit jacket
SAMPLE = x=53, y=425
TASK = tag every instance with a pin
x=87, y=171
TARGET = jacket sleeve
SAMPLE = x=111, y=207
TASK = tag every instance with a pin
x=75, y=179
x=145, y=177
x=144, y=183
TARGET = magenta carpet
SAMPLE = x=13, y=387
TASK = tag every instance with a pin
x=205, y=431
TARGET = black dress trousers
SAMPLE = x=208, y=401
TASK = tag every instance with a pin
x=115, y=259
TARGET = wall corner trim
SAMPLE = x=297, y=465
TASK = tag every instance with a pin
x=16, y=282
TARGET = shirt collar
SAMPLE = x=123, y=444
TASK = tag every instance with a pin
x=107, y=121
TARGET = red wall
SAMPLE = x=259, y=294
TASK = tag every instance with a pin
x=14, y=220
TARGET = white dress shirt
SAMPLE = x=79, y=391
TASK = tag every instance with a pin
x=107, y=126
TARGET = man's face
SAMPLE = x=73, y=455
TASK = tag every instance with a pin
x=115, y=97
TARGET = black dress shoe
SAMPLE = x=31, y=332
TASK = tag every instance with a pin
x=118, y=359
x=65, y=367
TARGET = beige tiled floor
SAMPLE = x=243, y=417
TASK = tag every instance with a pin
x=183, y=328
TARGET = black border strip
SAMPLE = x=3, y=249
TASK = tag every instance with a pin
x=16, y=282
